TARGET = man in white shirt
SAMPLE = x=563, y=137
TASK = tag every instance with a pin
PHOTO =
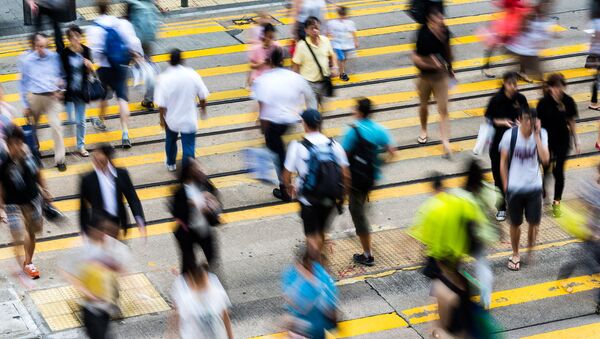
x=175, y=94
x=281, y=95
x=111, y=76
x=522, y=148
x=316, y=208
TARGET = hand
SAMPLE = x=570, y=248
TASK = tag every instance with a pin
x=538, y=126
x=435, y=63
x=334, y=72
x=508, y=123
x=291, y=191
x=34, y=7
x=162, y=121
x=88, y=64
x=577, y=148
x=203, y=114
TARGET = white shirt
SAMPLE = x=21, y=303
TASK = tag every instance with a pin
x=200, y=312
x=197, y=219
x=297, y=158
x=532, y=39
x=341, y=34
x=309, y=8
x=96, y=37
x=282, y=95
x=176, y=90
x=524, y=174
x=108, y=189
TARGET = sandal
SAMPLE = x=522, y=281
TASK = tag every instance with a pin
x=422, y=140
x=514, y=265
x=594, y=108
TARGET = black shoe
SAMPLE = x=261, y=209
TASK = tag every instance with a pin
x=61, y=167
x=281, y=195
x=147, y=104
x=360, y=258
x=52, y=213
x=126, y=144
x=344, y=77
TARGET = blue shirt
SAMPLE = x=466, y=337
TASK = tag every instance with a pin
x=39, y=75
x=372, y=132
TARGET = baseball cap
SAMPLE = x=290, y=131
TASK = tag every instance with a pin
x=311, y=117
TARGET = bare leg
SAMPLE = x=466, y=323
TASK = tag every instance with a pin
x=102, y=109
x=365, y=241
x=342, y=66
x=18, y=247
x=531, y=240
x=124, y=115
x=515, y=238
x=29, y=246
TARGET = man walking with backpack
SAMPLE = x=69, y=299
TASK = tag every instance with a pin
x=323, y=177
x=522, y=149
x=113, y=43
x=363, y=142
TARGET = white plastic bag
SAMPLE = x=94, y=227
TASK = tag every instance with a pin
x=484, y=138
x=144, y=72
x=260, y=163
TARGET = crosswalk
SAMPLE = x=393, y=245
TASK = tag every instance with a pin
x=384, y=74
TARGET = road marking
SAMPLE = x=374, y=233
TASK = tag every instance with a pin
x=581, y=332
x=277, y=210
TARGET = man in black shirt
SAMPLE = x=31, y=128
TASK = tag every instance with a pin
x=21, y=197
x=433, y=58
x=502, y=112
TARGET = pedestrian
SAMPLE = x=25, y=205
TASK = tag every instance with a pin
x=281, y=95
x=78, y=65
x=363, y=142
x=22, y=192
x=311, y=297
x=42, y=84
x=259, y=54
x=7, y=112
x=113, y=42
x=94, y=272
x=304, y=9
x=502, y=112
x=523, y=149
x=315, y=60
x=201, y=306
x=342, y=32
x=595, y=51
x=195, y=207
x=55, y=11
x=527, y=45
x=176, y=93
x=256, y=32
x=102, y=191
x=557, y=110
x=323, y=177
x=433, y=58
x=144, y=16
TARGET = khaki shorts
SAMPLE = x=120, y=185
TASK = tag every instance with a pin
x=26, y=216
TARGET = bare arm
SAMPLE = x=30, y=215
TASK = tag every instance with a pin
x=347, y=179
x=296, y=67
x=355, y=39
x=286, y=177
x=573, y=130
x=162, y=111
x=425, y=62
x=542, y=149
x=227, y=322
x=202, y=103
x=502, y=122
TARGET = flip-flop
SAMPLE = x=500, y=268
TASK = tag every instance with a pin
x=516, y=265
x=594, y=108
x=422, y=140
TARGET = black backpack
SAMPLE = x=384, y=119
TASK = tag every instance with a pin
x=324, y=183
x=362, y=159
x=418, y=9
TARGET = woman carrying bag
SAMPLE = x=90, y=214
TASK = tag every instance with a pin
x=78, y=66
x=195, y=207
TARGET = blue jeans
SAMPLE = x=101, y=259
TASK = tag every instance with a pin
x=78, y=106
x=188, y=143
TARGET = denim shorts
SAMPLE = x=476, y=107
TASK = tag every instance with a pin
x=343, y=54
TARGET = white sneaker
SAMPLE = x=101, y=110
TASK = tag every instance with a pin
x=171, y=168
x=83, y=152
x=501, y=216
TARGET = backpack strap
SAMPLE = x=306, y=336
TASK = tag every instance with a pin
x=513, y=142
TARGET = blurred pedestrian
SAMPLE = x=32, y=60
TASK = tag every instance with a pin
x=433, y=58
x=201, y=306
x=595, y=53
x=176, y=94
x=54, y=10
x=94, y=272
x=42, y=84
x=144, y=16
x=323, y=177
x=557, y=110
x=522, y=150
x=315, y=60
x=103, y=190
x=257, y=31
x=344, y=40
x=195, y=207
x=281, y=94
x=113, y=43
x=527, y=45
x=22, y=192
x=502, y=112
x=7, y=112
x=311, y=297
x=363, y=142
x=78, y=65
x=259, y=54
x=302, y=10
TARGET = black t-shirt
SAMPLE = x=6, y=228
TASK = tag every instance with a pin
x=19, y=181
x=555, y=118
x=428, y=44
x=503, y=107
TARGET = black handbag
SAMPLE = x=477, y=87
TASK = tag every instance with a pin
x=327, y=83
x=94, y=89
x=592, y=61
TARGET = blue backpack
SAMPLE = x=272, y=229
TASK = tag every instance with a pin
x=324, y=183
x=115, y=48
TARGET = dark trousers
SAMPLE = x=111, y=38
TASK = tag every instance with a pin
x=188, y=143
x=186, y=240
x=50, y=14
x=559, y=158
x=274, y=139
x=96, y=323
x=357, y=202
x=495, y=159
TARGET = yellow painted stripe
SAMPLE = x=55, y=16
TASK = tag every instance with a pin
x=581, y=332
